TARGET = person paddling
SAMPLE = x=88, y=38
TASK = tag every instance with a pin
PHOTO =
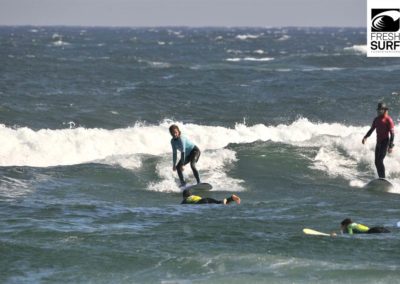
x=347, y=226
x=189, y=198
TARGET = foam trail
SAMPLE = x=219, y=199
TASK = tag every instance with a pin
x=212, y=167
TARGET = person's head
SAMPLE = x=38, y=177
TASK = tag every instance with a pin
x=174, y=131
x=186, y=193
x=345, y=223
x=381, y=109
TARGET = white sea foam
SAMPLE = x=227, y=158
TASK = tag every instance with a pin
x=357, y=48
x=258, y=59
x=248, y=36
x=234, y=51
x=156, y=64
x=238, y=59
x=284, y=38
x=131, y=162
x=60, y=43
x=176, y=33
x=213, y=166
x=58, y=40
x=314, y=69
x=339, y=152
x=331, y=69
x=160, y=64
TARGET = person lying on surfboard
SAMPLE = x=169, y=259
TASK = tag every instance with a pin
x=189, y=198
x=189, y=153
x=347, y=226
x=384, y=126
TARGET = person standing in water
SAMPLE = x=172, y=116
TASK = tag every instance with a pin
x=190, y=153
x=384, y=126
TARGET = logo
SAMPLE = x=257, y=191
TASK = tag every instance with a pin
x=383, y=28
x=385, y=20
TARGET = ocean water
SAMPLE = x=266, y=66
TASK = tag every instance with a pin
x=87, y=191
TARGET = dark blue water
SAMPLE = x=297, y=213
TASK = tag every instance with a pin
x=87, y=191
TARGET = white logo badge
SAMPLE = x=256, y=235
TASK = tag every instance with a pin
x=383, y=28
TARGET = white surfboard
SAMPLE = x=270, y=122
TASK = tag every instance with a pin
x=200, y=186
x=314, y=232
x=379, y=184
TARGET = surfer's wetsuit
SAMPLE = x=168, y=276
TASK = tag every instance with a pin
x=384, y=126
x=195, y=199
x=355, y=228
x=189, y=153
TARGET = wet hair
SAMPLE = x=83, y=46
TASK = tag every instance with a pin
x=186, y=193
x=346, y=222
x=173, y=127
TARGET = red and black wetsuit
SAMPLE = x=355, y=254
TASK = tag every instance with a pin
x=384, y=126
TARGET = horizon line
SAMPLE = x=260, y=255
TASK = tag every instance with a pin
x=176, y=26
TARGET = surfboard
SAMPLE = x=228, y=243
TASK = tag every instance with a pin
x=379, y=184
x=314, y=232
x=200, y=186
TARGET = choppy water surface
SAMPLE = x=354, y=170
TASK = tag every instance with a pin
x=87, y=193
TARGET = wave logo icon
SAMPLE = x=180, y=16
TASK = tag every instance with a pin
x=385, y=20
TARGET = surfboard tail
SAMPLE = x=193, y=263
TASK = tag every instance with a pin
x=201, y=186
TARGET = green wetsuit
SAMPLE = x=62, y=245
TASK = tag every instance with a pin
x=194, y=199
x=355, y=228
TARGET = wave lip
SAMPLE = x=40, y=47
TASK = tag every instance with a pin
x=46, y=147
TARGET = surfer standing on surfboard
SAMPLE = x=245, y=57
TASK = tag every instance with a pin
x=189, y=153
x=384, y=126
